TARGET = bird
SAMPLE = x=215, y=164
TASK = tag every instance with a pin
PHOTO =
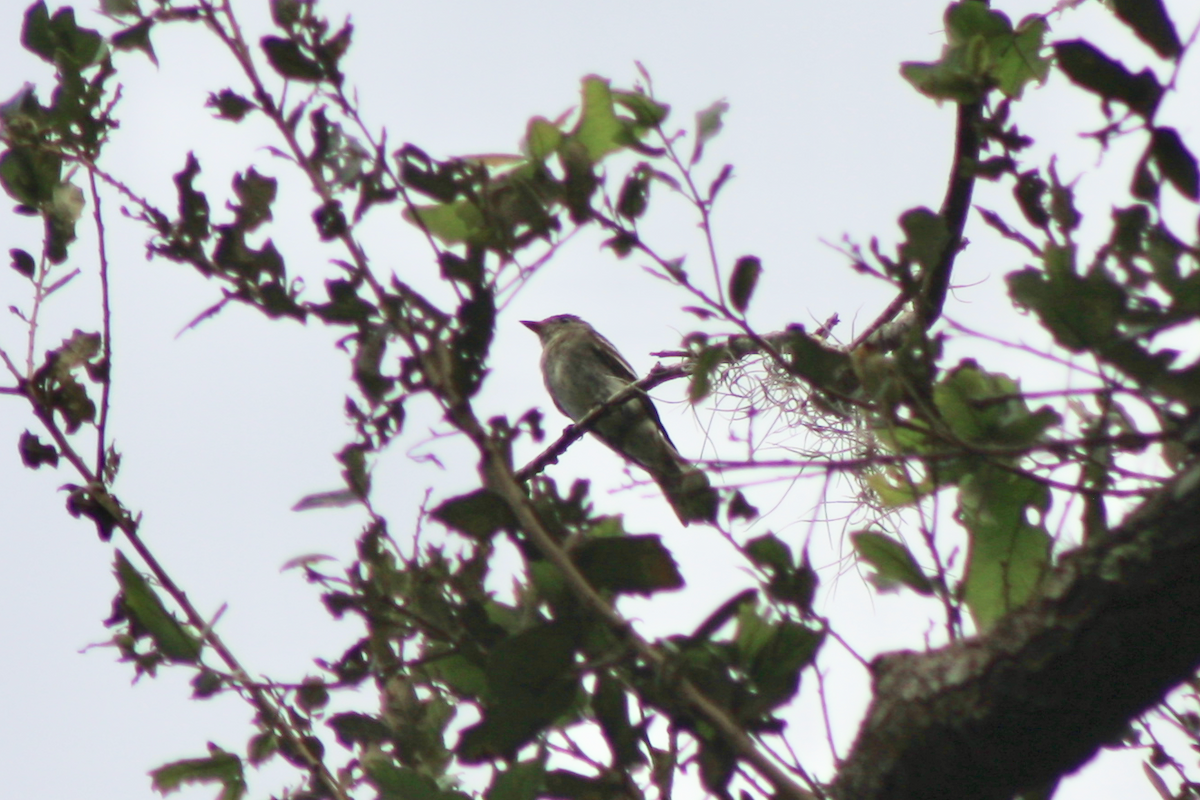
x=583, y=370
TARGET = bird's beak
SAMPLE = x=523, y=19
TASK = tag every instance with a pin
x=536, y=327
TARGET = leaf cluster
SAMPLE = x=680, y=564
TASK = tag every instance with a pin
x=552, y=668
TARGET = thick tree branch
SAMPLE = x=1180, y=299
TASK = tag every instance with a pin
x=956, y=206
x=1116, y=628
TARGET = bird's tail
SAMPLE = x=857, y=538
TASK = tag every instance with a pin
x=688, y=491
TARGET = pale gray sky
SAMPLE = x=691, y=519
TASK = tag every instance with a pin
x=225, y=427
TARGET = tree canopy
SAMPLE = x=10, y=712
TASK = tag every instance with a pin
x=1029, y=492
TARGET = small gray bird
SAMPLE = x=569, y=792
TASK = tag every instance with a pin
x=582, y=370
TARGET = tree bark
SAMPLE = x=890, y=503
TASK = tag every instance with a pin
x=1116, y=627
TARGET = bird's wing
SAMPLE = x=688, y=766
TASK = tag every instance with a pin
x=613, y=359
x=648, y=404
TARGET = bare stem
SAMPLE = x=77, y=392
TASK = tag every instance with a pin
x=106, y=333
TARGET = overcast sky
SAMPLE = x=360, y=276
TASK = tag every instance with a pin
x=223, y=428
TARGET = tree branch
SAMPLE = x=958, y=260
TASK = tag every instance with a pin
x=1117, y=626
x=273, y=712
x=500, y=479
x=575, y=431
x=956, y=206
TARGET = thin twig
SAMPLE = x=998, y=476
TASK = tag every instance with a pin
x=106, y=332
x=576, y=430
x=837, y=759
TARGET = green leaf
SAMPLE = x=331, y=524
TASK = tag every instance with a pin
x=286, y=13
x=105, y=512
x=514, y=720
x=986, y=408
x=34, y=453
x=789, y=583
x=894, y=487
x=287, y=59
x=346, y=307
x=59, y=40
x=206, y=684
x=1018, y=59
x=237, y=258
x=398, y=783
x=741, y=508
x=479, y=514
x=353, y=728
x=531, y=684
x=770, y=551
x=120, y=8
x=777, y=663
x=1007, y=556
x=137, y=37
x=717, y=764
x=193, y=225
x=329, y=220
x=722, y=614
x=942, y=81
x=709, y=123
x=221, y=767
x=262, y=747
x=599, y=130
x=142, y=605
x=522, y=781
x=753, y=631
x=1081, y=312
x=647, y=112
x=817, y=363
x=30, y=177
x=926, y=237
x=635, y=192
x=1176, y=162
x=797, y=587
x=991, y=169
x=532, y=659
x=81, y=47
x=983, y=51
x=1062, y=204
x=1086, y=66
x=1030, y=193
x=255, y=194
x=312, y=694
x=1150, y=22
x=611, y=706
x=1144, y=186
x=453, y=223
x=61, y=213
x=542, y=138
x=1094, y=313
x=230, y=105
x=704, y=364
x=742, y=282
x=628, y=564
x=894, y=565
x=971, y=18
x=36, y=35
x=562, y=784
x=22, y=262
x=462, y=675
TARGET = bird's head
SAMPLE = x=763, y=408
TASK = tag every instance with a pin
x=549, y=327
